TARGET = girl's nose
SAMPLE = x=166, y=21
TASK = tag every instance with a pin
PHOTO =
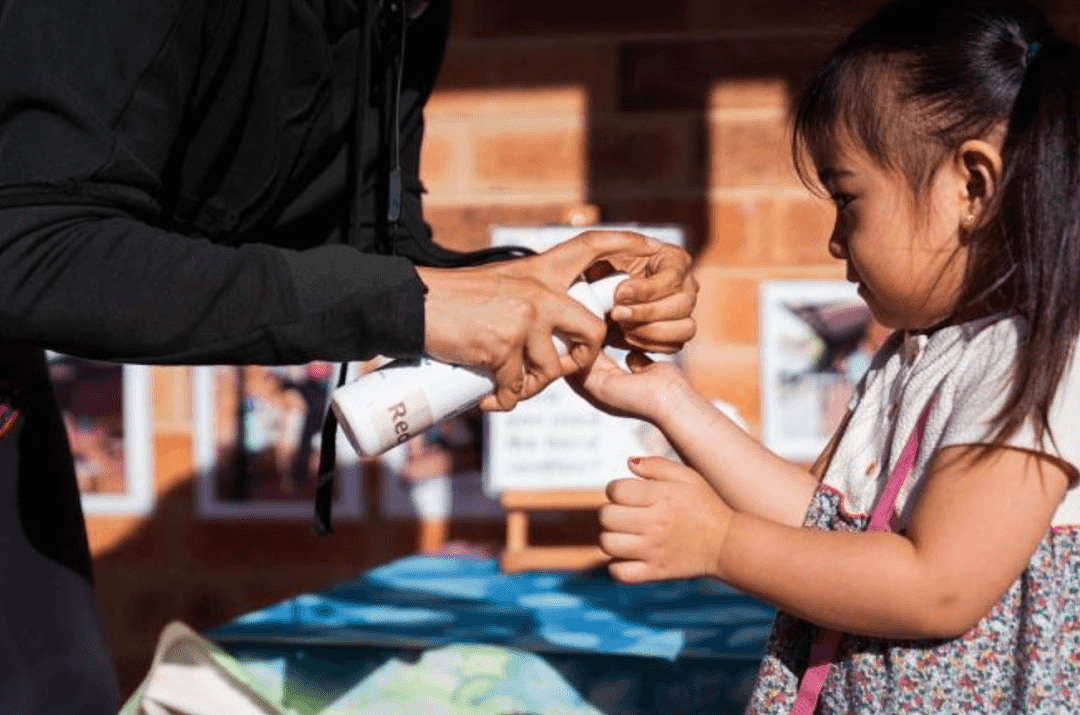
x=837, y=245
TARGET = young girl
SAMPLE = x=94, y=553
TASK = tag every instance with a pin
x=946, y=133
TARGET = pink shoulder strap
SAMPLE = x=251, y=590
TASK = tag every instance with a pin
x=825, y=645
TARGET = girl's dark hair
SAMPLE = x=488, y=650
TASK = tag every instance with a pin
x=909, y=87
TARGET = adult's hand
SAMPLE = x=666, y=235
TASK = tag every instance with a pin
x=652, y=308
x=502, y=316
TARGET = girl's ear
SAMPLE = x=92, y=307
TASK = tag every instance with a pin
x=980, y=167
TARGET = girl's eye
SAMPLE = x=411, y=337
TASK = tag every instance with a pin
x=842, y=200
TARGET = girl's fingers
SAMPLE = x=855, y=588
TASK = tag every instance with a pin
x=630, y=492
x=629, y=571
x=621, y=546
x=622, y=519
x=662, y=469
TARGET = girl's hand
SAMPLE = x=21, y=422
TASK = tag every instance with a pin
x=670, y=524
x=643, y=392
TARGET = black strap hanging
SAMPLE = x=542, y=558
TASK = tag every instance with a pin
x=324, y=487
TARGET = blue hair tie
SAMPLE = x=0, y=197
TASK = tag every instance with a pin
x=1033, y=49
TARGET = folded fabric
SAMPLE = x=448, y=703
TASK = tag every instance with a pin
x=190, y=676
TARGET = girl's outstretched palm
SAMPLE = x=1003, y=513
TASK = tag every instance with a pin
x=638, y=393
x=668, y=524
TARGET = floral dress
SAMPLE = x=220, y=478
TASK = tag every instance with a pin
x=1023, y=657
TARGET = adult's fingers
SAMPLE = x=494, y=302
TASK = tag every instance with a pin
x=664, y=271
x=582, y=332
x=542, y=363
x=509, y=383
x=676, y=305
x=666, y=337
x=566, y=261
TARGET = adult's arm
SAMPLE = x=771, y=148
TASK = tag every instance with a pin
x=96, y=282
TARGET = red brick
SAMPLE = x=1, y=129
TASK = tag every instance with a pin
x=680, y=74
x=521, y=103
x=631, y=151
x=825, y=16
x=520, y=159
x=750, y=152
x=740, y=230
x=750, y=93
x=587, y=66
x=245, y=548
x=727, y=308
x=132, y=540
x=731, y=234
x=171, y=397
x=1067, y=25
x=803, y=229
x=136, y=605
x=212, y=604
x=131, y=669
x=440, y=165
x=570, y=17
x=467, y=228
x=689, y=213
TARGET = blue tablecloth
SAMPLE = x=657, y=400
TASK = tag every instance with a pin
x=684, y=646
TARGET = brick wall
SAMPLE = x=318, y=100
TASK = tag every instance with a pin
x=668, y=112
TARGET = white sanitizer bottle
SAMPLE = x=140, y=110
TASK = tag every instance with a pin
x=400, y=400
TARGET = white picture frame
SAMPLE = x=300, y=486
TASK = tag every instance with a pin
x=556, y=440
x=215, y=438
x=815, y=346
x=109, y=423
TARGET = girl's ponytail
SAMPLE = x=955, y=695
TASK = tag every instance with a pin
x=1040, y=228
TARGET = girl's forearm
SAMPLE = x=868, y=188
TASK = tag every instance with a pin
x=749, y=477
x=870, y=584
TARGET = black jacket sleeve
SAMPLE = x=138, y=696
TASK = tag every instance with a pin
x=85, y=271
x=94, y=282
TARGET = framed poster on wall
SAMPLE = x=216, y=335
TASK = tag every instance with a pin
x=556, y=440
x=106, y=412
x=817, y=340
x=257, y=442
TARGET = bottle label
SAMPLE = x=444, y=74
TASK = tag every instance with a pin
x=401, y=420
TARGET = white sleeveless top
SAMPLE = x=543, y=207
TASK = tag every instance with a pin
x=1024, y=655
x=972, y=362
